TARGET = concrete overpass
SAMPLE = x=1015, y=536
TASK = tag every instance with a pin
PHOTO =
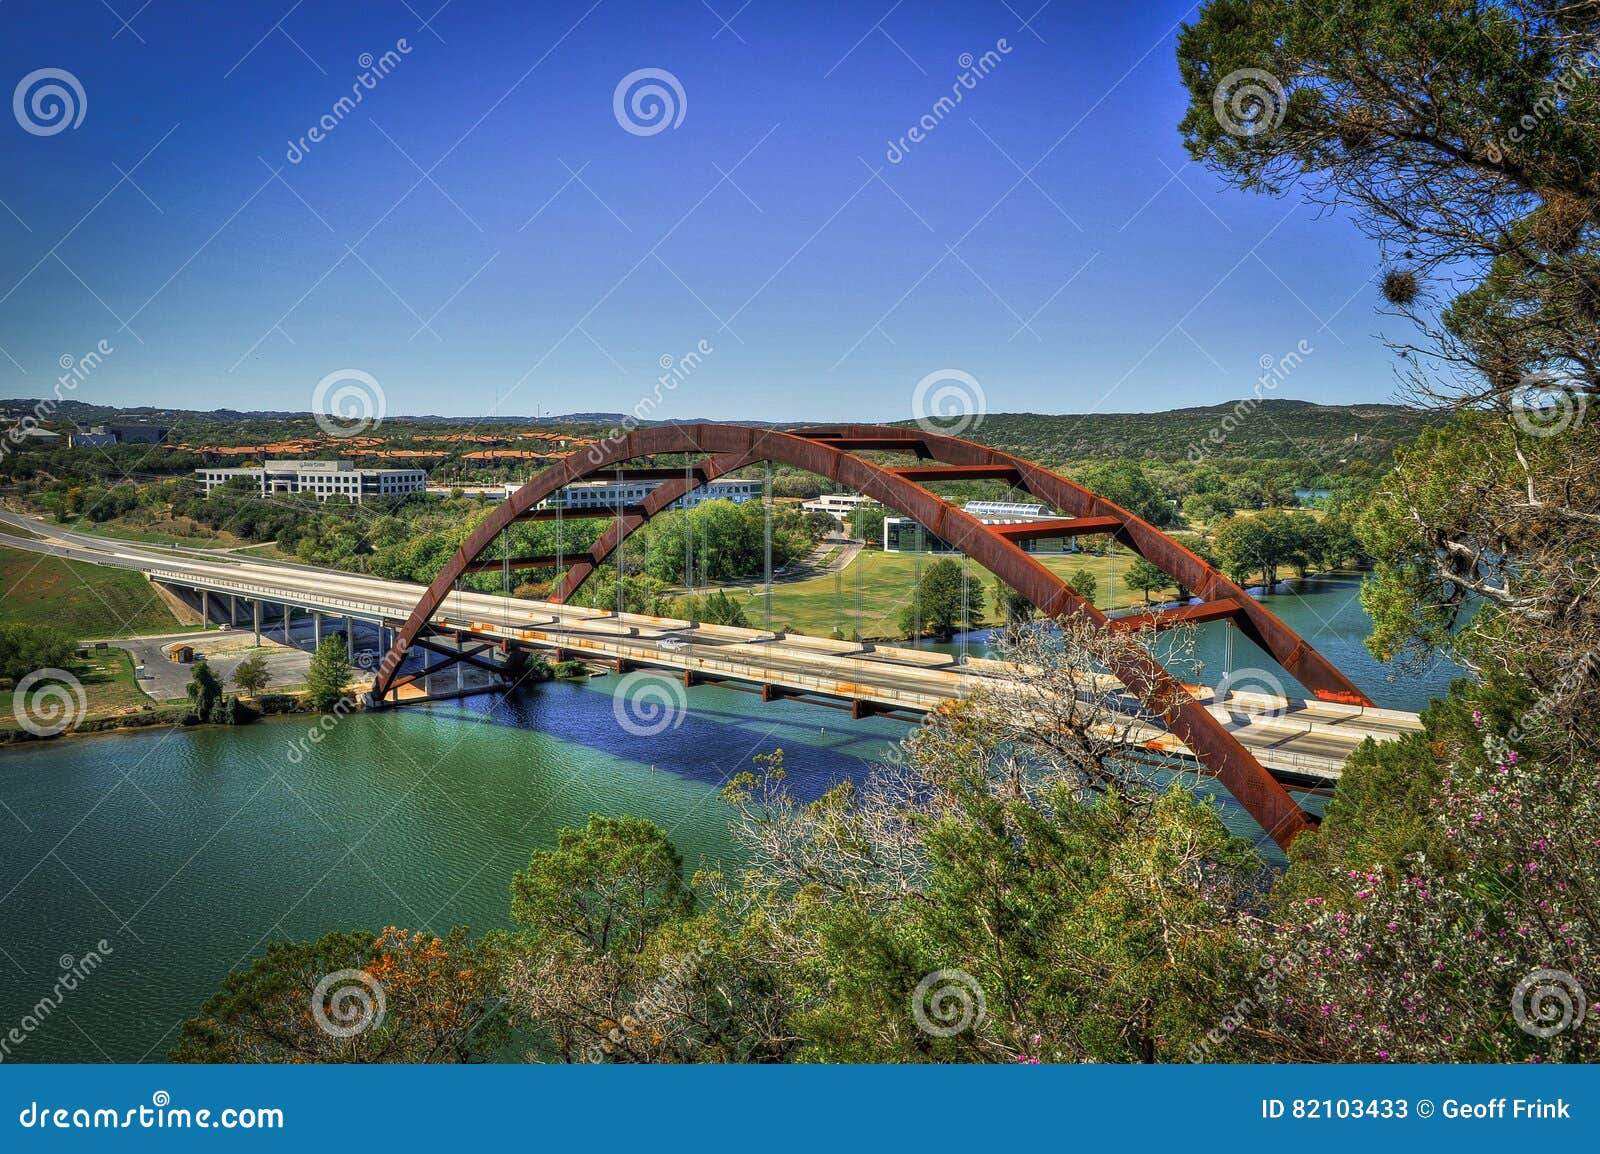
x=1301, y=742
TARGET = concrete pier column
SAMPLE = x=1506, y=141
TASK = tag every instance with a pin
x=205, y=607
x=233, y=609
x=349, y=638
x=461, y=666
x=255, y=618
x=316, y=628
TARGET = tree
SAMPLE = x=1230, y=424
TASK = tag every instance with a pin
x=251, y=675
x=996, y=890
x=328, y=674
x=1083, y=583
x=1145, y=577
x=1009, y=605
x=1465, y=140
x=866, y=523
x=715, y=608
x=1208, y=507
x=353, y=997
x=943, y=601
x=25, y=648
x=1123, y=482
x=204, y=691
x=614, y=964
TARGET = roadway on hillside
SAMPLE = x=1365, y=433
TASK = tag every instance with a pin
x=1287, y=735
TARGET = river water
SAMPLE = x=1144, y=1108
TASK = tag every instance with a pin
x=187, y=851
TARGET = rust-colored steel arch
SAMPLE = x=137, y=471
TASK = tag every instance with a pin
x=834, y=453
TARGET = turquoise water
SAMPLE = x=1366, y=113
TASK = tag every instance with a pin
x=187, y=851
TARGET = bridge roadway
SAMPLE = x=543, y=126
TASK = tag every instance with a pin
x=1303, y=742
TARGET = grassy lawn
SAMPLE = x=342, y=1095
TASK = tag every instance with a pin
x=109, y=687
x=189, y=534
x=817, y=605
x=80, y=599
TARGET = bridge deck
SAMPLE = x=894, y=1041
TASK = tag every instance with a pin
x=1302, y=740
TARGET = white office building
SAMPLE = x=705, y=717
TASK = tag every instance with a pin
x=839, y=505
x=325, y=479
x=608, y=495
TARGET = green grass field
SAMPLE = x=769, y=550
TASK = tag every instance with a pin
x=882, y=582
x=80, y=599
x=197, y=536
x=109, y=688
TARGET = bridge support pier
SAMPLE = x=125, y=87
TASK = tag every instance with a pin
x=349, y=638
x=233, y=610
x=205, y=607
x=255, y=620
x=316, y=628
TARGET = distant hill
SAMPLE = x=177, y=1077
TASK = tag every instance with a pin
x=1248, y=431
x=1270, y=429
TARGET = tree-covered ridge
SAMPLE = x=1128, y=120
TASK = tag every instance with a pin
x=1273, y=429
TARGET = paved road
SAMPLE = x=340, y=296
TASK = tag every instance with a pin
x=165, y=679
x=1292, y=735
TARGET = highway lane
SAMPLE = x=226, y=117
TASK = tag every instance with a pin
x=1284, y=734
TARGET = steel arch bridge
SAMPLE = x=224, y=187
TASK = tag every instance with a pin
x=835, y=452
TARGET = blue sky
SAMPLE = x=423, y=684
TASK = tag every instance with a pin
x=482, y=234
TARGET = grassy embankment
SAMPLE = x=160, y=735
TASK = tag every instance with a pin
x=83, y=601
x=816, y=605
